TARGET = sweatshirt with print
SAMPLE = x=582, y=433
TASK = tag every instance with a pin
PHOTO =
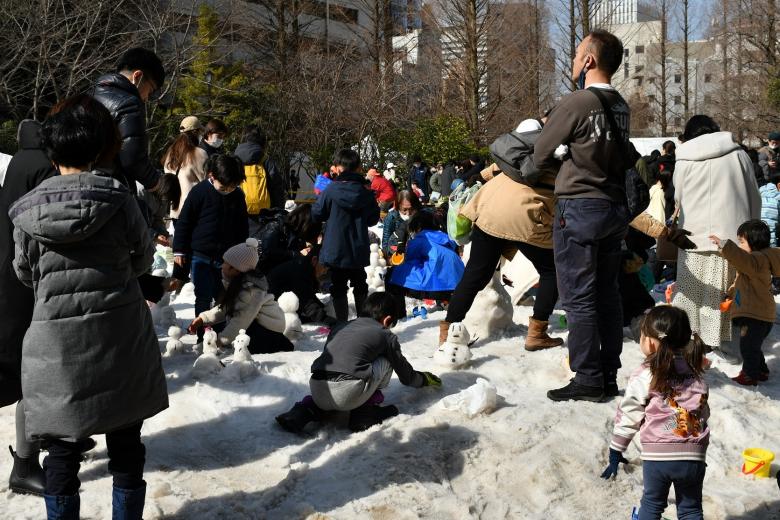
x=671, y=427
x=597, y=160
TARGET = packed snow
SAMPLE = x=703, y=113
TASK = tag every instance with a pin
x=217, y=452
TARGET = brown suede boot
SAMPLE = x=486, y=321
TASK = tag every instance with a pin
x=444, y=329
x=537, y=338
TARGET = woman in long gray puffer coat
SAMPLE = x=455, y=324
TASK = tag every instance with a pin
x=90, y=359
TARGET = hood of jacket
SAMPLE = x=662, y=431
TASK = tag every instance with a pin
x=773, y=255
x=436, y=237
x=250, y=153
x=769, y=190
x=349, y=190
x=707, y=146
x=68, y=208
x=29, y=135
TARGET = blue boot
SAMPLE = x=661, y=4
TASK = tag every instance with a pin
x=128, y=504
x=62, y=507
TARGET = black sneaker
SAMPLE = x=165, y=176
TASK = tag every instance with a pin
x=366, y=416
x=297, y=418
x=576, y=392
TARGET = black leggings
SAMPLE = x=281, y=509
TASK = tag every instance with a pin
x=126, y=458
x=485, y=254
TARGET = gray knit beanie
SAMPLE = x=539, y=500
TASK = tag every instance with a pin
x=243, y=256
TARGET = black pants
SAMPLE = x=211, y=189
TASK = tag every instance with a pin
x=752, y=334
x=264, y=341
x=297, y=276
x=485, y=253
x=126, y=458
x=338, y=290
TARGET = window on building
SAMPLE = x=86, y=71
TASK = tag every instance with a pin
x=707, y=99
x=625, y=70
x=677, y=121
x=625, y=53
x=678, y=100
x=678, y=78
x=638, y=69
x=651, y=98
x=651, y=81
x=707, y=78
x=639, y=49
x=639, y=80
x=337, y=13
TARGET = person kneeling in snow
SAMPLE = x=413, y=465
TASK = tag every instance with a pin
x=246, y=304
x=358, y=361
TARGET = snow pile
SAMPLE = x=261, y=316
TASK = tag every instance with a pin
x=481, y=397
x=218, y=453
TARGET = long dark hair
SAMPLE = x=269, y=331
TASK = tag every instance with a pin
x=670, y=326
x=302, y=225
x=227, y=298
x=170, y=191
x=182, y=151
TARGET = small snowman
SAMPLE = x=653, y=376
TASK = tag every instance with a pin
x=163, y=315
x=455, y=352
x=376, y=270
x=243, y=367
x=288, y=302
x=174, y=345
x=208, y=363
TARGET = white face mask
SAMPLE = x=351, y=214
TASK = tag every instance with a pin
x=216, y=142
x=405, y=217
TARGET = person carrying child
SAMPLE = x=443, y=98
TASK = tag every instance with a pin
x=358, y=361
x=752, y=305
x=246, y=303
x=349, y=208
x=666, y=402
x=212, y=220
x=431, y=268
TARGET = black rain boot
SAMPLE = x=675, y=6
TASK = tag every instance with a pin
x=27, y=476
x=367, y=415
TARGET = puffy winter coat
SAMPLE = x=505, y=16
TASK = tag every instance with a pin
x=122, y=99
x=349, y=208
x=254, y=303
x=27, y=169
x=770, y=206
x=715, y=188
x=431, y=263
x=90, y=360
x=383, y=189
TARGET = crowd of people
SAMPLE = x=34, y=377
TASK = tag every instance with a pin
x=83, y=205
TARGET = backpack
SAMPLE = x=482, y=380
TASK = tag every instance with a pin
x=458, y=226
x=255, y=189
x=637, y=190
x=513, y=153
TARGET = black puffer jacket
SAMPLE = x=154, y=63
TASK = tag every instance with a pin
x=27, y=169
x=121, y=98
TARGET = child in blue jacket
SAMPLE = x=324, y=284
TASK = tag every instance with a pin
x=432, y=267
x=349, y=208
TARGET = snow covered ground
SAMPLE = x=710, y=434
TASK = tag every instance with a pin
x=217, y=452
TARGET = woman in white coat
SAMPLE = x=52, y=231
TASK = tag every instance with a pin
x=716, y=191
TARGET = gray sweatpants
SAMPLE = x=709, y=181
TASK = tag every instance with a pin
x=351, y=393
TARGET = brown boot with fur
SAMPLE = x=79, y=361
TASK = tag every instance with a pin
x=537, y=338
x=444, y=329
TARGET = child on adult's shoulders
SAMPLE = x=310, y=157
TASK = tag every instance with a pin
x=752, y=304
x=357, y=363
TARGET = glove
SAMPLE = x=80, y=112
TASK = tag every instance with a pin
x=431, y=380
x=615, y=458
x=679, y=237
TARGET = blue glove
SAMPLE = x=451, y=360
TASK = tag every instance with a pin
x=615, y=458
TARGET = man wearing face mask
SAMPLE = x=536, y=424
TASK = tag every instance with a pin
x=768, y=158
x=591, y=216
x=214, y=137
x=138, y=78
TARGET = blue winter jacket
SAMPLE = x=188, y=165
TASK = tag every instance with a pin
x=431, y=264
x=770, y=207
x=349, y=208
x=419, y=176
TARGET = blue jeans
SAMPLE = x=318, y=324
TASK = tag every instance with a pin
x=207, y=279
x=587, y=237
x=688, y=479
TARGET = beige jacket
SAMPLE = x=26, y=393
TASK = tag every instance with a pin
x=189, y=175
x=752, y=290
x=254, y=303
x=507, y=209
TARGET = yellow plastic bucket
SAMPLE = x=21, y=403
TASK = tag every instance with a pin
x=758, y=462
